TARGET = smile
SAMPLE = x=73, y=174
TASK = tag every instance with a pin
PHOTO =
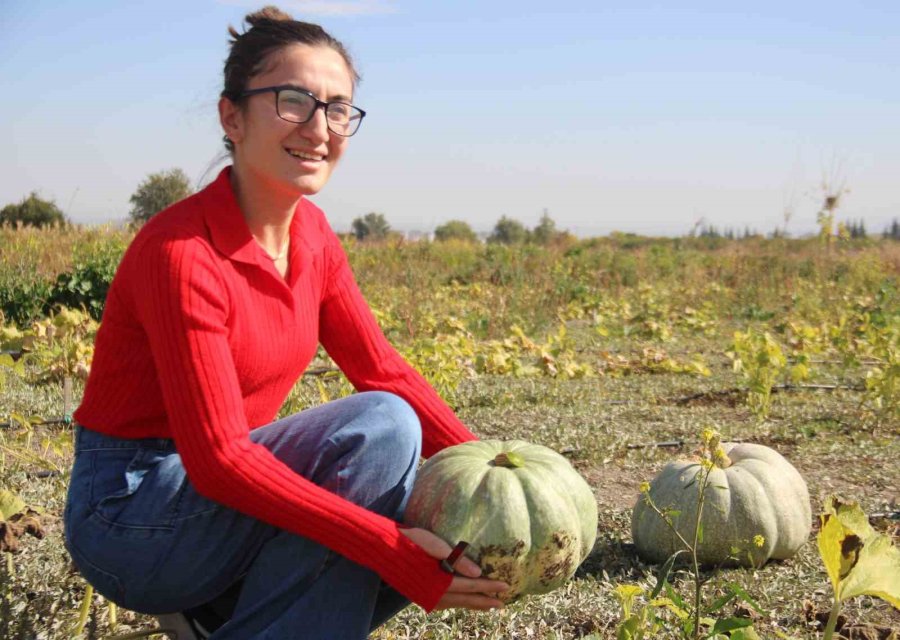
x=302, y=155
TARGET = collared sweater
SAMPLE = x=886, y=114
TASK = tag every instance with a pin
x=202, y=340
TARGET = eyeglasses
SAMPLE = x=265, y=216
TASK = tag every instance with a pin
x=298, y=106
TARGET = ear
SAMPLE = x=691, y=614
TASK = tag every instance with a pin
x=232, y=120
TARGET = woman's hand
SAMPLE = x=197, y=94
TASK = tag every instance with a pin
x=467, y=590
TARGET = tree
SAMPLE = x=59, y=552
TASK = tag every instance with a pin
x=372, y=226
x=32, y=211
x=158, y=191
x=508, y=231
x=545, y=232
x=857, y=229
x=455, y=230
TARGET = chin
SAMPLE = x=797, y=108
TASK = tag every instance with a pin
x=309, y=189
x=307, y=184
x=302, y=186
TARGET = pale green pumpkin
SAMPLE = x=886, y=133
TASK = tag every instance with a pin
x=755, y=509
x=529, y=517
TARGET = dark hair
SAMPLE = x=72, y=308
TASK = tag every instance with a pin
x=271, y=29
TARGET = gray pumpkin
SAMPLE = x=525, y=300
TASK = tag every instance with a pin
x=530, y=517
x=758, y=494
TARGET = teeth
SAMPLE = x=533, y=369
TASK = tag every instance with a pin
x=304, y=156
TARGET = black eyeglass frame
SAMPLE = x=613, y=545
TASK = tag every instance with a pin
x=320, y=104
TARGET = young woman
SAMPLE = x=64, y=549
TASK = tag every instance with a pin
x=183, y=489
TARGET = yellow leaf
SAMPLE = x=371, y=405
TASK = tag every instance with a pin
x=669, y=604
x=10, y=504
x=799, y=372
x=323, y=392
x=858, y=559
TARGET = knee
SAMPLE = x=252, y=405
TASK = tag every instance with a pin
x=393, y=424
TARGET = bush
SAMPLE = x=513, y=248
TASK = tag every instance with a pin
x=32, y=211
x=372, y=226
x=508, y=231
x=455, y=230
x=158, y=191
x=23, y=297
x=85, y=286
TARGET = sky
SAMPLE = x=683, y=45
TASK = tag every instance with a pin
x=641, y=117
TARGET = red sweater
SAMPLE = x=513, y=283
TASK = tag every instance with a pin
x=202, y=340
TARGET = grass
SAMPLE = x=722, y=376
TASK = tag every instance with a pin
x=585, y=419
x=832, y=436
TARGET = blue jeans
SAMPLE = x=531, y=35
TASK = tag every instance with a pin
x=141, y=534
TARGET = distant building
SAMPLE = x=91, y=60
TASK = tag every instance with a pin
x=418, y=236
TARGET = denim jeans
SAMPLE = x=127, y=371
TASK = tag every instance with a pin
x=141, y=534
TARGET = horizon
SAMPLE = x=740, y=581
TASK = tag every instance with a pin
x=642, y=120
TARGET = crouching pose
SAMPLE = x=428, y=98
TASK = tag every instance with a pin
x=186, y=499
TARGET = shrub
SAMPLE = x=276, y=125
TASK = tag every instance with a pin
x=32, y=211
x=372, y=226
x=156, y=192
x=508, y=231
x=23, y=296
x=455, y=230
x=87, y=283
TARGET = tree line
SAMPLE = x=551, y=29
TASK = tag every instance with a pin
x=161, y=189
x=155, y=193
x=374, y=226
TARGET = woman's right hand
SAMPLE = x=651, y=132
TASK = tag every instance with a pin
x=467, y=590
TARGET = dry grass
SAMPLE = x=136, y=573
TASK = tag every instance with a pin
x=829, y=435
x=817, y=431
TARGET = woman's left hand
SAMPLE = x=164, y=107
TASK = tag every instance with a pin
x=468, y=589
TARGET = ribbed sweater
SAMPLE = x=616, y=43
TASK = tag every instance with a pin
x=202, y=340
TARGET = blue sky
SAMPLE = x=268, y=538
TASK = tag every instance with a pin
x=641, y=116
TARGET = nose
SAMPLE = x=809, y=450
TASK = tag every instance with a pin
x=316, y=128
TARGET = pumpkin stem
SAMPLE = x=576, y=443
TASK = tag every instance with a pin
x=509, y=460
x=720, y=458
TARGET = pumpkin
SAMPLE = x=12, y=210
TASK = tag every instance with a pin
x=756, y=507
x=530, y=519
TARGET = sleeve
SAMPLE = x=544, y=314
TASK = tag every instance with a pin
x=351, y=336
x=183, y=307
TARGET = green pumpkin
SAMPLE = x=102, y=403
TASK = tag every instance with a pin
x=529, y=517
x=756, y=508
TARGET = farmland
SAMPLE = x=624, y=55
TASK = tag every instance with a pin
x=617, y=352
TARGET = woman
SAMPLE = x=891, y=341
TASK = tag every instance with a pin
x=183, y=489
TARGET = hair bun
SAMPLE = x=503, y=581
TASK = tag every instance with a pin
x=268, y=13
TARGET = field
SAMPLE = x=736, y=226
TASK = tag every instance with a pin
x=617, y=352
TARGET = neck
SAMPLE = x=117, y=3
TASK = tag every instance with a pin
x=267, y=210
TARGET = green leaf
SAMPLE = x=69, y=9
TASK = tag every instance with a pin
x=747, y=633
x=673, y=595
x=721, y=602
x=662, y=577
x=628, y=629
x=730, y=624
x=857, y=558
x=10, y=504
x=738, y=591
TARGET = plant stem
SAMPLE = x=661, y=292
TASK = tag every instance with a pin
x=85, y=610
x=697, y=585
x=832, y=619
